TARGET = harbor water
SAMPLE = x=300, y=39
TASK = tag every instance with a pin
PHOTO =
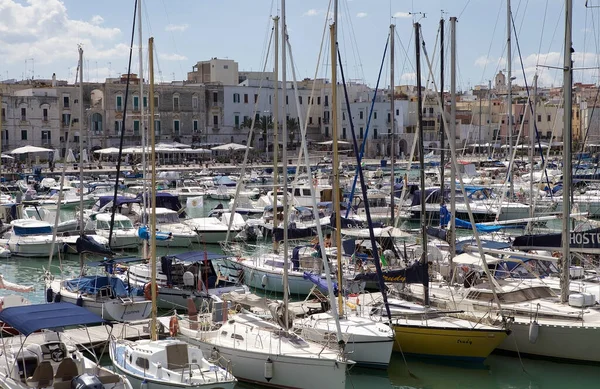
x=498, y=371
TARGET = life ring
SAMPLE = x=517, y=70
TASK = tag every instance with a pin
x=148, y=291
x=173, y=326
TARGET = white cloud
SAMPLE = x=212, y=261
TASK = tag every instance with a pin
x=97, y=20
x=176, y=27
x=402, y=15
x=173, y=57
x=361, y=15
x=312, y=12
x=409, y=78
x=484, y=61
x=42, y=29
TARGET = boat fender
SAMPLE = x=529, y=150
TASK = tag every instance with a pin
x=159, y=372
x=148, y=291
x=144, y=384
x=351, y=305
x=49, y=295
x=268, y=370
x=79, y=301
x=173, y=326
x=534, y=331
x=57, y=297
x=263, y=280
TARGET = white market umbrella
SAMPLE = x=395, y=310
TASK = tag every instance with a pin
x=173, y=145
x=195, y=151
x=230, y=146
x=84, y=156
x=109, y=150
x=7, y=156
x=330, y=142
x=29, y=149
x=70, y=156
x=55, y=155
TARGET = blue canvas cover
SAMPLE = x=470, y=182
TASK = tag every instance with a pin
x=28, y=319
x=120, y=200
x=319, y=282
x=91, y=285
x=20, y=231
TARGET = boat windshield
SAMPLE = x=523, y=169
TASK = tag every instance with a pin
x=512, y=297
x=123, y=224
x=167, y=218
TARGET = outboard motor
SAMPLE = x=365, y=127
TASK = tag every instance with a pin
x=86, y=381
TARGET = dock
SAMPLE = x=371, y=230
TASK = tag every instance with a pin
x=90, y=338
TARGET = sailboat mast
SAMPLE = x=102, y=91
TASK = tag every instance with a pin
x=285, y=172
x=567, y=169
x=442, y=141
x=509, y=94
x=275, y=134
x=336, y=164
x=154, y=287
x=81, y=229
x=421, y=162
x=532, y=147
x=452, y=142
x=392, y=126
x=142, y=122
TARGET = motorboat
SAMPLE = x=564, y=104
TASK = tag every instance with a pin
x=32, y=238
x=124, y=235
x=214, y=230
x=180, y=234
x=50, y=359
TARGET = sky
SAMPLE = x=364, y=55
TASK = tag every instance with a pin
x=41, y=37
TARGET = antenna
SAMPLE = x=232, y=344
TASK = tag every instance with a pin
x=422, y=14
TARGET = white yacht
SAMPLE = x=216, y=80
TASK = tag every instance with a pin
x=180, y=234
x=214, y=230
x=124, y=236
x=31, y=238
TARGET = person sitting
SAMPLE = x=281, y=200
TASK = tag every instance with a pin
x=328, y=240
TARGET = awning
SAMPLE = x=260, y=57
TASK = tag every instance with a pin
x=28, y=319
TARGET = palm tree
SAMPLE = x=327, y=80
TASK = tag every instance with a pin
x=292, y=128
x=247, y=123
x=265, y=123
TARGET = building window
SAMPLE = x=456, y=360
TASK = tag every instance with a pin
x=319, y=119
x=343, y=115
x=270, y=99
x=46, y=137
x=237, y=121
x=45, y=114
x=96, y=122
x=389, y=118
x=215, y=97
x=23, y=114
x=5, y=136
x=66, y=119
x=326, y=103
x=326, y=132
x=255, y=98
x=175, y=103
x=195, y=125
x=286, y=100
x=156, y=102
x=318, y=100
x=145, y=101
x=176, y=127
x=343, y=130
x=194, y=102
x=360, y=133
x=374, y=133
x=310, y=120
x=549, y=118
x=119, y=105
x=118, y=127
x=136, y=127
x=300, y=99
x=374, y=114
x=397, y=112
x=157, y=128
x=23, y=134
x=215, y=121
x=245, y=98
x=3, y=114
x=236, y=97
x=66, y=102
x=257, y=117
x=539, y=118
x=136, y=103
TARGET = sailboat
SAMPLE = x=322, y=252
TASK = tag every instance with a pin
x=168, y=363
x=265, y=352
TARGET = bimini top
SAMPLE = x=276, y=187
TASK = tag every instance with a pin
x=28, y=319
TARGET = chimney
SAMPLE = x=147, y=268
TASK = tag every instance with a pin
x=54, y=80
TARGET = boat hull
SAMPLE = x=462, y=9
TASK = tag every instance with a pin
x=473, y=345
x=22, y=248
x=288, y=371
x=272, y=281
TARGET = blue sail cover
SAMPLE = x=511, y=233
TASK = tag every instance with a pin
x=319, y=282
x=28, y=319
x=482, y=227
x=144, y=234
x=85, y=244
x=91, y=285
x=409, y=275
x=121, y=200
